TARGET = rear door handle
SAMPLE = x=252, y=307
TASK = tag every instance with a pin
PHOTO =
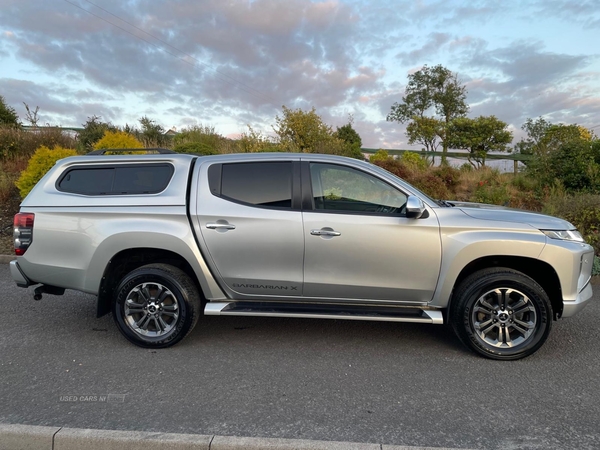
x=325, y=233
x=220, y=226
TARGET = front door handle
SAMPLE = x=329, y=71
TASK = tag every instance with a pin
x=220, y=226
x=323, y=232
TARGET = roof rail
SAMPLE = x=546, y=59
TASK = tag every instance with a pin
x=162, y=151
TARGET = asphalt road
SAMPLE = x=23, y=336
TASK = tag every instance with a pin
x=403, y=384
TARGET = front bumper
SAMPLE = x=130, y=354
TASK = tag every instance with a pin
x=570, y=308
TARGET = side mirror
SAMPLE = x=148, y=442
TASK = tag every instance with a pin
x=414, y=207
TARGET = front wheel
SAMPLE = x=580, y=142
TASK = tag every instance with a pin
x=156, y=306
x=501, y=313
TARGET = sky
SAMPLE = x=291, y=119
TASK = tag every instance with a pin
x=229, y=64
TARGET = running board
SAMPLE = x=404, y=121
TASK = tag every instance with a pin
x=308, y=311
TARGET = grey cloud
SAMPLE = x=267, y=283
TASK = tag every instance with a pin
x=530, y=66
x=254, y=56
x=584, y=12
x=475, y=11
x=559, y=105
x=525, y=63
x=57, y=103
x=427, y=51
x=523, y=80
x=243, y=60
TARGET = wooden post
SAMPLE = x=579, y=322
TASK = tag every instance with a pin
x=516, y=166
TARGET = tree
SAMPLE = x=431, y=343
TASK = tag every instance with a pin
x=544, y=137
x=434, y=88
x=425, y=131
x=536, y=129
x=301, y=131
x=558, y=135
x=8, y=115
x=565, y=154
x=305, y=132
x=31, y=115
x=152, y=133
x=93, y=130
x=350, y=136
x=253, y=141
x=480, y=136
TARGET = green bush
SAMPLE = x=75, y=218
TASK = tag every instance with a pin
x=583, y=211
x=10, y=141
x=352, y=151
x=494, y=194
x=41, y=162
x=431, y=184
x=449, y=175
x=205, y=135
x=16, y=142
x=93, y=130
x=596, y=266
x=413, y=159
x=117, y=139
x=575, y=166
x=524, y=182
x=7, y=187
x=380, y=155
x=200, y=148
x=253, y=141
x=427, y=181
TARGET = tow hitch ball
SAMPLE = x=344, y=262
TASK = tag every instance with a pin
x=47, y=289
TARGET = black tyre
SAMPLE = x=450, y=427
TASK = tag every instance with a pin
x=501, y=313
x=156, y=306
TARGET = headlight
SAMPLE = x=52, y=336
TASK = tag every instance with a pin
x=565, y=235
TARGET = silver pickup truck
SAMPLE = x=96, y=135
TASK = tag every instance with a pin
x=163, y=238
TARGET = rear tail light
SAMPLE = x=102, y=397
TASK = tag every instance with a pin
x=23, y=232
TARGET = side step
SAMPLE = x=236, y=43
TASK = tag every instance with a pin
x=311, y=311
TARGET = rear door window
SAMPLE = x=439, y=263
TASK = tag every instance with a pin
x=265, y=184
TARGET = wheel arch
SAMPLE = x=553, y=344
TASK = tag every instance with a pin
x=130, y=259
x=541, y=272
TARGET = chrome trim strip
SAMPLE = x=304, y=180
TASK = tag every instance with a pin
x=585, y=284
x=18, y=275
x=215, y=308
x=436, y=316
x=222, y=309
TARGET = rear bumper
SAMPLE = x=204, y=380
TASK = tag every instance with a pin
x=18, y=275
x=570, y=308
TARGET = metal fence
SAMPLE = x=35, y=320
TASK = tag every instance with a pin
x=505, y=162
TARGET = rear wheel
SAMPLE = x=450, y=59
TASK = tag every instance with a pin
x=156, y=306
x=501, y=313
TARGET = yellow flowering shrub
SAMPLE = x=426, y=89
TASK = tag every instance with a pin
x=41, y=162
x=117, y=139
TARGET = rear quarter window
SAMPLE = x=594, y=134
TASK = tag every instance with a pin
x=116, y=180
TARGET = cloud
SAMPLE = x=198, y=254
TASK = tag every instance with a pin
x=236, y=62
x=583, y=12
x=526, y=64
x=522, y=80
x=254, y=55
x=57, y=102
x=432, y=46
